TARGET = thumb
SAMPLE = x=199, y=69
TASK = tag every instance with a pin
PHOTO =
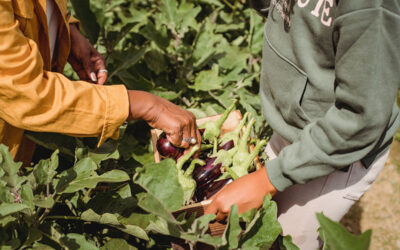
x=88, y=68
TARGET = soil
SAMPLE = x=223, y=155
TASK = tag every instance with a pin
x=379, y=208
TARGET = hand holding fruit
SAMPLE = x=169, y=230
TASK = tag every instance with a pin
x=247, y=192
x=177, y=123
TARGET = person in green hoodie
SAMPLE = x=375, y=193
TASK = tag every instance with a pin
x=329, y=81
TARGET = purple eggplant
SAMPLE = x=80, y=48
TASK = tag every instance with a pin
x=207, y=173
x=209, y=190
x=227, y=146
x=167, y=149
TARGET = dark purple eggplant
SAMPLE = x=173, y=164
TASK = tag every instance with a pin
x=209, y=190
x=227, y=146
x=167, y=149
x=207, y=173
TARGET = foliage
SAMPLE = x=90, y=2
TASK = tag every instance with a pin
x=336, y=237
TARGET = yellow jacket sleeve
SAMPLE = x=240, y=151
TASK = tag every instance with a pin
x=38, y=100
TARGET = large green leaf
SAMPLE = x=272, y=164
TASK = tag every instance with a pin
x=336, y=237
x=264, y=229
x=83, y=175
x=87, y=19
x=45, y=170
x=11, y=208
x=207, y=80
x=9, y=168
x=112, y=220
x=233, y=229
x=77, y=241
x=155, y=178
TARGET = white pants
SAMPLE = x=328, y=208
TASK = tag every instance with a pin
x=333, y=195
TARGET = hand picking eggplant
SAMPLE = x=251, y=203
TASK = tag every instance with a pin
x=222, y=159
x=166, y=149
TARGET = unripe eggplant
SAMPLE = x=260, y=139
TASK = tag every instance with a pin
x=167, y=149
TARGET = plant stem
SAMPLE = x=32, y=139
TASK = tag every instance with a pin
x=62, y=217
x=229, y=4
x=225, y=115
x=231, y=172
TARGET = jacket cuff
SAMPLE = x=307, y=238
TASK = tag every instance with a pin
x=117, y=111
x=276, y=176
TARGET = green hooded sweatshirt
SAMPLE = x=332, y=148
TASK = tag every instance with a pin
x=329, y=81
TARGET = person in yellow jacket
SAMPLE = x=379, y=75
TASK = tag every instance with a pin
x=35, y=43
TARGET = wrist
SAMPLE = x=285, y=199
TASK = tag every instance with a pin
x=140, y=104
x=265, y=183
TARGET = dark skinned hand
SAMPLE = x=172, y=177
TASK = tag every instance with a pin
x=159, y=113
x=87, y=62
x=247, y=192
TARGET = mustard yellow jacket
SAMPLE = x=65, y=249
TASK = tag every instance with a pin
x=33, y=95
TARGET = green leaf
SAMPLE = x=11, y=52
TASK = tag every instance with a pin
x=233, y=229
x=44, y=202
x=83, y=175
x=45, y=170
x=168, y=13
x=10, y=168
x=155, y=177
x=155, y=61
x=115, y=244
x=11, y=208
x=77, y=241
x=128, y=59
x=87, y=19
x=112, y=220
x=27, y=196
x=158, y=36
x=205, y=45
x=91, y=182
x=207, y=80
x=336, y=237
x=286, y=243
x=264, y=229
x=33, y=235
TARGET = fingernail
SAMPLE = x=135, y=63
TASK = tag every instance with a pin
x=93, y=76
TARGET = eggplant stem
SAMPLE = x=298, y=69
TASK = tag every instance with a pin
x=190, y=169
x=186, y=157
x=231, y=172
x=243, y=140
x=215, y=146
x=225, y=115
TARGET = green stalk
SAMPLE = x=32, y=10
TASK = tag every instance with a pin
x=225, y=115
x=190, y=169
x=215, y=146
x=254, y=154
x=186, y=157
x=242, y=144
x=234, y=135
x=231, y=172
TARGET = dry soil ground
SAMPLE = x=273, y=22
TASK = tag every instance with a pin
x=379, y=208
